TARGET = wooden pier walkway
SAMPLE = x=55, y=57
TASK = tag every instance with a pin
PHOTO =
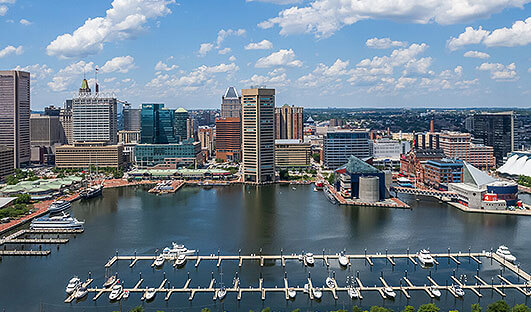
x=16, y=238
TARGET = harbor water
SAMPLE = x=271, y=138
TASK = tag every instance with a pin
x=261, y=219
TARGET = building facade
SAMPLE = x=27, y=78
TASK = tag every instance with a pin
x=46, y=130
x=339, y=145
x=181, y=124
x=131, y=118
x=6, y=162
x=15, y=114
x=206, y=138
x=157, y=124
x=231, y=106
x=65, y=117
x=438, y=173
x=85, y=155
x=229, y=139
x=289, y=123
x=496, y=130
x=292, y=154
x=185, y=153
x=258, y=127
x=94, y=117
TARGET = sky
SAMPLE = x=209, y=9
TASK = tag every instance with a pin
x=315, y=53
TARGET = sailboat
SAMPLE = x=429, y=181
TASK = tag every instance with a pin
x=222, y=292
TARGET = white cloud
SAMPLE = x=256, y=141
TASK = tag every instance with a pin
x=66, y=76
x=224, y=51
x=110, y=79
x=121, y=64
x=499, y=71
x=126, y=19
x=194, y=79
x=324, y=75
x=163, y=66
x=3, y=10
x=280, y=58
x=476, y=54
x=281, y=2
x=384, y=43
x=204, y=48
x=10, y=50
x=8, y=1
x=25, y=22
x=223, y=34
x=262, y=45
x=518, y=35
x=232, y=58
x=324, y=17
x=275, y=78
x=37, y=71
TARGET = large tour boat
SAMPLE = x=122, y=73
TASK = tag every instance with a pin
x=63, y=221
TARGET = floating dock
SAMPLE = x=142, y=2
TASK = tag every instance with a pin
x=17, y=238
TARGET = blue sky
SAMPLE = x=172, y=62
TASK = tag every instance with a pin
x=317, y=53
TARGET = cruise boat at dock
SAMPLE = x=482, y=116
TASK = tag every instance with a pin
x=63, y=221
x=175, y=251
x=59, y=206
x=92, y=191
x=425, y=258
x=504, y=252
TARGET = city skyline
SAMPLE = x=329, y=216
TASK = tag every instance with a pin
x=314, y=53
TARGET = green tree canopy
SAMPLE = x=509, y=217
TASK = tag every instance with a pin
x=498, y=306
x=521, y=308
x=409, y=308
x=475, y=308
x=429, y=307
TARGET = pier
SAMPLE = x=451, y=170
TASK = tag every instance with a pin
x=20, y=239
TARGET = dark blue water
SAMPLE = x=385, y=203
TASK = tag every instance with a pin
x=249, y=218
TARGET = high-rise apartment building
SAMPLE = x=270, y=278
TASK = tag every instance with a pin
x=157, y=124
x=228, y=139
x=289, y=123
x=231, y=106
x=496, y=130
x=181, y=124
x=206, y=138
x=94, y=117
x=339, y=145
x=258, y=124
x=15, y=114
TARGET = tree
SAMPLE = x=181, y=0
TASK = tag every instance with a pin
x=521, y=308
x=205, y=310
x=266, y=309
x=23, y=199
x=475, y=308
x=284, y=174
x=331, y=179
x=137, y=309
x=316, y=157
x=380, y=309
x=498, y=306
x=356, y=309
x=296, y=310
x=429, y=307
x=408, y=309
x=11, y=180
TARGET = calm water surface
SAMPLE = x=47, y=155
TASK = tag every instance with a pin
x=249, y=218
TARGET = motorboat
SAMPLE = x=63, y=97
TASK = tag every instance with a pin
x=58, y=206
x=93, y=191
x=116, y=292
x=458, y=290
x=63, y=221
x=504, y=252
x=330, y=282
x=435, y=291
x=352, y=293
x=309, y=258
x=176, y=251
x=181, y=261
x=110, y=281
x=306, y=287
x=319, y=185
x=343, y=260
x=126, y=294
x=425, y=258
x=317, y=293
x=159, y=262
x=73, y=285
x=315, y=189
x=81, y=292
x=150, y=294
x=389, y=292
x=292, y=293
x=222, y=292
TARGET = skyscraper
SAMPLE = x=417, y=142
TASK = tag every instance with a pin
x=131, y=118
x=288, y=122
x=258, y=135
x=496, y=130
x=339, y=145
x=94, y=117
x=228, y=139
x=157, y=124
x=180, y=124
x=231, y=106
x=15, y=114
x=206, y=138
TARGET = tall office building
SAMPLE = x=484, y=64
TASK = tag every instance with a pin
x=6, y=162
x=231, y=106
x=131, y=118
x=15, y=114
x=206, y=138
x=496, y=130
x=339, y=145
x=288, y=123
x=258, y=124
x=65, y=117
x=181, y=124
x=45, y=130
x=157, y=124
x=228, y=139
x=94, y=117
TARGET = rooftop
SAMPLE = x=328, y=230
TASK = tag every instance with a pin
x=474, y=176
x=356, y=165
x=231, y=93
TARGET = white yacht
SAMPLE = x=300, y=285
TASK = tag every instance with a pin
x=330, y=282
x=389, y=292
x=73, y=285
x=504, y=252
x=181, y=261
x=150, y=294
x=81, y=292
x=58, y=206
x=435, y=291
x=309, y=258
x=343, y=260
x=222, y=292
x=458, y=290
x=110, y=281
x=292, y=293
x=306, y=286
x=176, y=251
x=352, y=292
x=159, y=262
x=116, y=292
x=63, y=221
x=126, y=294
x=317, y=293
x=425, y=258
